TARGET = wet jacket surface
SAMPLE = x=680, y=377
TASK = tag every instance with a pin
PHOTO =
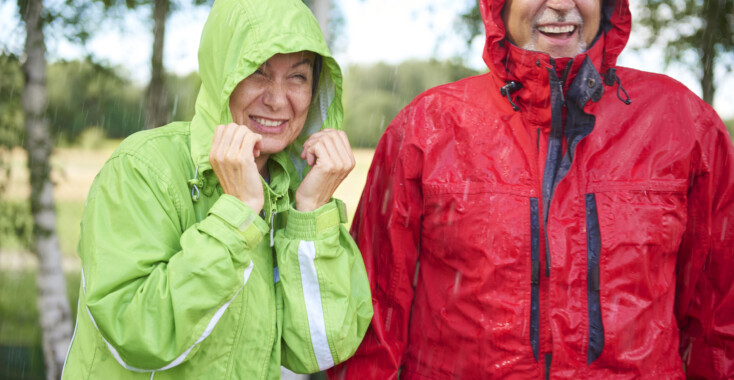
x=574, y=237
x=181, y=281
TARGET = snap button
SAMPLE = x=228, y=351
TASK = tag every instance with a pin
x=591, y=82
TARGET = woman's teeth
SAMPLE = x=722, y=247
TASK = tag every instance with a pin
x=267, y=123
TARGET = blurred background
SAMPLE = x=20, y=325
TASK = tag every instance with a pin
x=77, y=76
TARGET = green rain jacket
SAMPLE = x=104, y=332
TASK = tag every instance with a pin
x=181, y=281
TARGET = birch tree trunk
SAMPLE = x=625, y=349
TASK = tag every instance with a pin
x=53, y=306
x=157, y=98
x=321, y=9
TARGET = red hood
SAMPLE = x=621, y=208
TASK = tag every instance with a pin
x=506, y=60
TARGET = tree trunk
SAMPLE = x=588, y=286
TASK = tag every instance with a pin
x=53, y=306
x=321, y=9
x=708, y=50
x=157, y=99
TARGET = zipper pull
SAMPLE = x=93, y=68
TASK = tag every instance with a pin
x=563, y=97
x=272, y=228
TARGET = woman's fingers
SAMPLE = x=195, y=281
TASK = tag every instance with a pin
x=233, y=153
x=331, y=158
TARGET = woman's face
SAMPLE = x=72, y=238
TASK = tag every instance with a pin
x=274, y=100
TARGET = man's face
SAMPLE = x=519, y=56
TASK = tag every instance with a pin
x=561, y=28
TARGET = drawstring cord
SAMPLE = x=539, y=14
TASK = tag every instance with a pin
x=508, y=89
x=272, y=228
x=194, y=184
x=610, y=78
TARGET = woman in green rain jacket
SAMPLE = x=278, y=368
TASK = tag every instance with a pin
x=213, y=249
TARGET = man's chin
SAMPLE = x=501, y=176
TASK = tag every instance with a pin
x=565, y=49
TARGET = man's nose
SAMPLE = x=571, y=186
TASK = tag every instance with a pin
x=561, y=5
x=275, y=95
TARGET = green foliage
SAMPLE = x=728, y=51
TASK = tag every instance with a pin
x=82, y=94
x=16, y=225
x=11, y=114
x=182, y=95
x=374, y=94
x=15, y=222
x=470, y=23
x=730, y=126
x=697, y=33
x=683, y=24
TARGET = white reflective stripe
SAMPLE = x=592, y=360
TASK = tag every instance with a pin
x=209, y=328
x=76, y=324
x=314, y=309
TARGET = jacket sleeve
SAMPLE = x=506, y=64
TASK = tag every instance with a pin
x=705, y=303
x=326, y=296
x=387, y=230
x=153, y=288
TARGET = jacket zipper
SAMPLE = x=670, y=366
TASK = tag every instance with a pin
x=549, y=182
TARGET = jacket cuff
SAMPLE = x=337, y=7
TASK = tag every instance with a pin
x=239, y=215
x=313, y=224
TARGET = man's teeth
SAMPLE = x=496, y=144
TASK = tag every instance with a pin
x=556, y=28
x=268, y=123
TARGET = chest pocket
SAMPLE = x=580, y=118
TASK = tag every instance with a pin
x=648, y=218
x=478, y=229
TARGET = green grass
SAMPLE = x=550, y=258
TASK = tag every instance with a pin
x=19, y=324
x=21, y=355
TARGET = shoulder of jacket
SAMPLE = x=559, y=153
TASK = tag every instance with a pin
x=644, y=79
x=154, y=139
x=157, y=149
x=460, y=90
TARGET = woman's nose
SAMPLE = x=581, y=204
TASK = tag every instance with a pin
x=275, y=95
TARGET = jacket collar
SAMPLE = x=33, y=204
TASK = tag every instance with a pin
x=507, y=62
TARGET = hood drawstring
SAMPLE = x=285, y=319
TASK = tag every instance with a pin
x=610, y=78
x=195, y=184
x=508, y=89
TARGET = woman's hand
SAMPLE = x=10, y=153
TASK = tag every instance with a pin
x=232, y=157
x=330, y=156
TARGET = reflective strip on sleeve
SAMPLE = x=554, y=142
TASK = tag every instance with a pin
x=314, y=309
x=73, y=335
x=209, y=328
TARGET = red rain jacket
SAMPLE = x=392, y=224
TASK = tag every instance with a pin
x=576, y=236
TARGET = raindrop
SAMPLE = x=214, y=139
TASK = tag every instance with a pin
x=457, y=282
x=723, y=228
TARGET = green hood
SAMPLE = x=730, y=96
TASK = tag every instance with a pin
x=238, y=37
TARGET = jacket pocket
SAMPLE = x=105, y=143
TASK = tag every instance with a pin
x=480, y=250
x=633, y=230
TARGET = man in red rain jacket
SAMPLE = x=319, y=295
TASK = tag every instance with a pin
x=557, y=217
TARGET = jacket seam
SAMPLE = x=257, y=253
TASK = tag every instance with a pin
x=158, y=134
x=166, y=180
